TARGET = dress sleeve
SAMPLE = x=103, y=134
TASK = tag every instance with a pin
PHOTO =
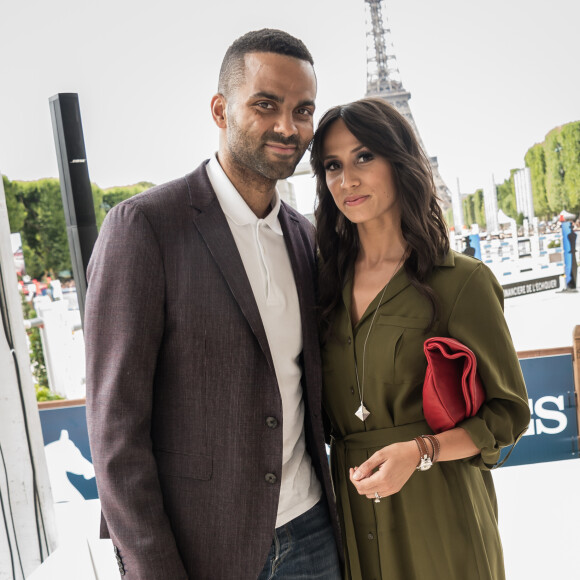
x=478, y=321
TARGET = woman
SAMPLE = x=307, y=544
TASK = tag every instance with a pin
x=388, y=281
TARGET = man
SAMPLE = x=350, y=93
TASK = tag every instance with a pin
x=203, y=369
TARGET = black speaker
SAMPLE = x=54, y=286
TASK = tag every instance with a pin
x=75, y=186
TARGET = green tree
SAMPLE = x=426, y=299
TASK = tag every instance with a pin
x=506, y=196
x=555, y=171
x=448, y=217
x=469, y=210
x=100, y=210
x=35, y=210
x=16, y=211
x=570, y=160
x=37, y=361
x=535, y=159
x=114, y=195
x=479, y=208
x=43, y=230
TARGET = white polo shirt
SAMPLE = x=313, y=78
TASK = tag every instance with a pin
x=267, y=264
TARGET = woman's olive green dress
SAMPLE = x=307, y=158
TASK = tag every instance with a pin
x=443, y=524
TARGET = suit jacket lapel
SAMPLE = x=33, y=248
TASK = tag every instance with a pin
x=215, y=230
x=298, y=257
x=302, y=261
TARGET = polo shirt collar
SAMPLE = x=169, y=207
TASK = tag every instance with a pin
x=234, y=205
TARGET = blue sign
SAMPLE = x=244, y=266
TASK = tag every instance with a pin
x=68, y=455
x=472, y=246
x=553, y=431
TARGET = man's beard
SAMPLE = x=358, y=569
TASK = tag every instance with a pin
x=250, y=155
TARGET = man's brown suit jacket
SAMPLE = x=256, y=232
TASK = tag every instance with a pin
x=181, y=387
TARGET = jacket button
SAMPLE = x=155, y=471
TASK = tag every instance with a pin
x=370, y=536
x=272, y=422
x=349, y=340
x=271, y=478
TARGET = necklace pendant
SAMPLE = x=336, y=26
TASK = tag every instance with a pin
x=362, y=412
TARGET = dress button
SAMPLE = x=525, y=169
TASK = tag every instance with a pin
x=272, y=422
x=349, y=340
x=352, y=390
x=271, y=478
x=370, y=536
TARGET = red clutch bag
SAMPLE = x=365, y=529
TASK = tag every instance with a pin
x=452, y=390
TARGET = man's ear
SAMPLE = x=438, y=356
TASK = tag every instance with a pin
x=218, y=110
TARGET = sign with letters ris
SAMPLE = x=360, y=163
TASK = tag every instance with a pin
x=553, y=431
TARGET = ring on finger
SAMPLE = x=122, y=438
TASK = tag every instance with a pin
x=377, y=497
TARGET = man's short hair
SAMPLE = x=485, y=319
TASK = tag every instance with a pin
x=265, y=40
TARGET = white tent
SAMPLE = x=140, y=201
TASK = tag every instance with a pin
x=566, y=215
x=502, y=218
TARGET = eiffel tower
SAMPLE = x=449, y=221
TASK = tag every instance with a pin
x=383, y=80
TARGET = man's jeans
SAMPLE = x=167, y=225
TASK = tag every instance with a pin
x=304, y=549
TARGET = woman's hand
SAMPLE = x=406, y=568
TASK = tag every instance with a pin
x=387, y=470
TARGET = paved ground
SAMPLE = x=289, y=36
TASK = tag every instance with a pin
x=539, y=504
x=543, y=320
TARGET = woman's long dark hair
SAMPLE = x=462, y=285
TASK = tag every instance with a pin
x=378, y=126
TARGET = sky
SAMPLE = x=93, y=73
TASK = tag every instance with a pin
x=487, y=79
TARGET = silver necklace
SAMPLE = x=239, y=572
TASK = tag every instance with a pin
x=362, y=412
